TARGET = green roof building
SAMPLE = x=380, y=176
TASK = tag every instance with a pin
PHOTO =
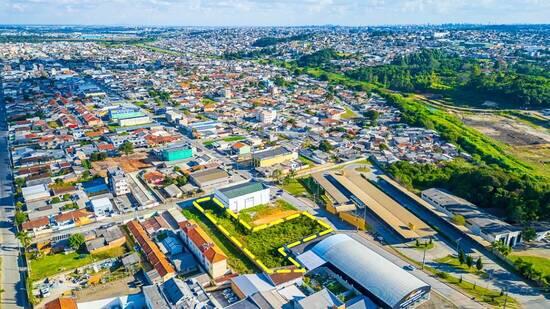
x=177, y=153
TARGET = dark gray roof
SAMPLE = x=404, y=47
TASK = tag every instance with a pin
x=242, y=189
x=271, y=153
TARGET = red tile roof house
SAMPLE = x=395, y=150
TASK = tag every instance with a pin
x=37, y=226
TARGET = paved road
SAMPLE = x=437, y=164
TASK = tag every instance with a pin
x=12, y=277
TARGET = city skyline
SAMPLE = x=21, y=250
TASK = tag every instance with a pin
x=272, y=13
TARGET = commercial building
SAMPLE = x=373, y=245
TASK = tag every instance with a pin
x=243, y=196
x=134, y=121
x=267, y=116
x=124, y=113
x=210, y=178
x=177, y=152
x=203, y=248
x=480, y=223
x=202, y=129
x=350, y=191
x=102, y=206
x=273, y=156
x=382, y=282
x=117, y=181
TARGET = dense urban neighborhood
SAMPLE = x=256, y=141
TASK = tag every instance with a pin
x=275, y=167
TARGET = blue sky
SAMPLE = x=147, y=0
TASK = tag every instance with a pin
x=272, y=12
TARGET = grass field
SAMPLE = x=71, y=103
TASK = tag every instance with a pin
x=539, y=263
x=50, y=265
x=236, y=259
x=453, y=262
x=53, y=264
x=294, y=187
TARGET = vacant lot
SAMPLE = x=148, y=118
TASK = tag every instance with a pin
x=539, y=259
x=264, y=243
x=527, y=142
x=130, y=163
x=53, y=264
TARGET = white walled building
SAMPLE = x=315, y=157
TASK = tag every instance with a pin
x=267, y=116
x=243, y=196
x=117, y=181
x=480, y=223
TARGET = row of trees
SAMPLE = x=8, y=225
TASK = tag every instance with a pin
x=519, y=86
x=518, y=198
x=467, y=259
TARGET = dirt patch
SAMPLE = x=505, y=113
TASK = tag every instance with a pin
x=270, y=217
x=506, y=130
x=107, y=290
x=129, y=163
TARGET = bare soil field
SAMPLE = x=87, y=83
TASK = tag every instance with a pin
x=266, y=218
x=527, y=142
x=130, y=163
x=109, y=289
x=509, y=131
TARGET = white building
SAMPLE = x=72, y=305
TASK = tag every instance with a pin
x=480, y=223
x=243, y=196
x=267, y=116
x=102, y=206
x=117, y=181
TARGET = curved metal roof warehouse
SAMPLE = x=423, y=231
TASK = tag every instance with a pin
x=380, y=279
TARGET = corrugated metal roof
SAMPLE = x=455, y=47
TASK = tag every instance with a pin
x=242, y=189
x=385, y=280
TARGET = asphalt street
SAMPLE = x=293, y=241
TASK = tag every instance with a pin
x=12, y=270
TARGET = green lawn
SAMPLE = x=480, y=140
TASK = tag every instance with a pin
x=306, y=161
x=236, y=259
x=50, y=265
x=453, y=262
x=294, y=187
x=233, y=138
x=53, y=264
x=539, y=263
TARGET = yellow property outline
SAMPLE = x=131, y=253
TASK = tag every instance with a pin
x=250, y=255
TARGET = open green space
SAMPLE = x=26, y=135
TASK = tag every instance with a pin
x=541, y=264
x=454, y=263
x=53, y=264
x=294, y=187
x=265, y=243
x=306, y=161
x=235, y=258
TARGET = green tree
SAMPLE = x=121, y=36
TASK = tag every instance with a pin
x=277, y=175
x=479, y=264
x=528, y=234
x=461, y=257
x=20, y=217
x=76, y=241
x=458, y=220
x=126, y=147
x=24, y=238
x=469, y=261
x=325, y=146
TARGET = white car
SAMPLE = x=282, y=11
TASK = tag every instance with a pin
x=409, y=267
